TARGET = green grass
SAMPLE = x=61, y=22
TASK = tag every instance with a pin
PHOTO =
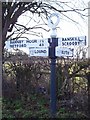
x=36, y=106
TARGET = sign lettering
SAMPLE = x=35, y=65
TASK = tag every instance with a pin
x=64, y=52
x=26, y=43
x=72, y=41
x=38, y=51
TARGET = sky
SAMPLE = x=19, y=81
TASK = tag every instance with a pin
x=67, y=28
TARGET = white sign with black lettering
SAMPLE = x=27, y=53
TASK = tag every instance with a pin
x=72, y=41
x=26, y=43
x=64, y=52
x=38, y=51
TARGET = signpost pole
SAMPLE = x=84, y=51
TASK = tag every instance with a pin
x=53, y=88
x=53, y=96
x=53, y=42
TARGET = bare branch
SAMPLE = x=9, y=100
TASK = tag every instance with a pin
x=34, y=27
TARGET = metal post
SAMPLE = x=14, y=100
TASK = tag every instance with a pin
x=53, y=87
x=53, y=42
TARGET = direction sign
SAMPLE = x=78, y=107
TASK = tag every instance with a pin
x=72, y=41
x=38, y=51
x=26, y=43
x=43, y=52
x=63, y=42
x=64, y=52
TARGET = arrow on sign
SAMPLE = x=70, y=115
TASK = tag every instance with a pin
x=64, y=52
x=72, y=41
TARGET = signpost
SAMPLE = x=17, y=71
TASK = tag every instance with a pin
x=51, y=47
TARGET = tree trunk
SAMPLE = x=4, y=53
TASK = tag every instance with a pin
x=0, y=59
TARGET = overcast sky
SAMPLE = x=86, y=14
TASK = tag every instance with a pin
x=71, y=29
x=68, y=28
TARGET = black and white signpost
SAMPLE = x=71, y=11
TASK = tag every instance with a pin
x=52, y=47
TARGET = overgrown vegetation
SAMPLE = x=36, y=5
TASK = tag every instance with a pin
x=26, y=88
